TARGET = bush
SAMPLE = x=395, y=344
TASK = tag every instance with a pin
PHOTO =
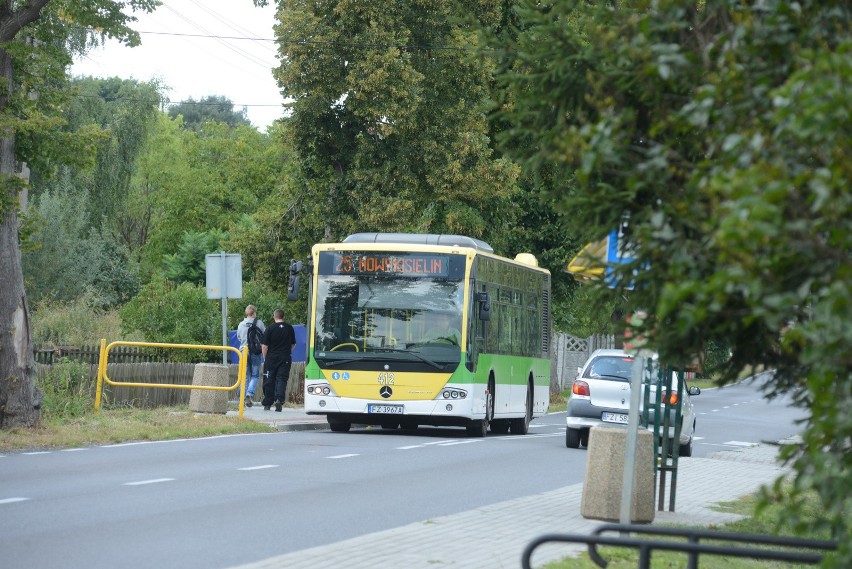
x=75, y=323
x=68, y=391
x=165, y=312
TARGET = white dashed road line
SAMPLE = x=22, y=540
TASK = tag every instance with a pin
x=259, y=467
x=153, y=481
x=12, y=500
x=342, y=456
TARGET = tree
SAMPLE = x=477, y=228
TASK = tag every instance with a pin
x=188, y=264
x=36, y=39
x=67, y=256
x=126, y=110
x=388, y=121
x=210, y=108
x=720, y=132
x=198, y=181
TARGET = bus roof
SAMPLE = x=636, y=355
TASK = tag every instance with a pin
x=420, y=239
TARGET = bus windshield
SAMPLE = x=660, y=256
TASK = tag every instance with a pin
x=362, y=316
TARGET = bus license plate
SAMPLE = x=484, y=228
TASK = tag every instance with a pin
x=387, y=409
x=614, y=418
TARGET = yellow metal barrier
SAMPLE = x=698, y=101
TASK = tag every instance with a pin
x=102, y=366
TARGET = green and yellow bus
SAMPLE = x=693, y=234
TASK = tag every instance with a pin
x=426, y=329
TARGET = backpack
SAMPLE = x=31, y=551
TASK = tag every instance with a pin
x=254, y=338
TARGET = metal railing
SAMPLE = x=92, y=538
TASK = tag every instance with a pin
x=782, y=548
x=104, y=357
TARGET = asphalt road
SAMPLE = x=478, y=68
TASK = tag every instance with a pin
x=224, y=501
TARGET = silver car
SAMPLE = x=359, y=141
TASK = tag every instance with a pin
x=601, y=394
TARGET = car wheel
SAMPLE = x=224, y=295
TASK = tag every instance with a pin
x=584, y=438
x=686, y=450
x=572, y=438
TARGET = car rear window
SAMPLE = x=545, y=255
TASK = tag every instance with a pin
x=615, y=368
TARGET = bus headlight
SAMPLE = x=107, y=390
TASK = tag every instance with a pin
x=453, y=393
x=320, y=389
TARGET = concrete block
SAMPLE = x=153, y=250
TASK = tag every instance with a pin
x=204, y=400
x=601, y=498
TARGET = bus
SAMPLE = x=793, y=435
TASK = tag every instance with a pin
x=427, y=329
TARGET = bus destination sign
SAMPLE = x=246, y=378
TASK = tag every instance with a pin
x=406, y=264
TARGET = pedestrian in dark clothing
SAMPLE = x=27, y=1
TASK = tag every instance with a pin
x=279, y=339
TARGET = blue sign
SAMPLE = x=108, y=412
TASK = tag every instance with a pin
x=300, y=352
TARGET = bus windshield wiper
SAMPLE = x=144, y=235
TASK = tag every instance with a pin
x=417, y=355
x=333, y=363
x=425, y=359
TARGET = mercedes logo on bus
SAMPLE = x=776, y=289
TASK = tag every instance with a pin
x=385, y=391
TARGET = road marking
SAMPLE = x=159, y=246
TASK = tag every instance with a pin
x=342, y=456
x=153, y=481
x=38, y=452
x=449, y=444
x=259, y=467
x=12, y=500
x=739, y=444
x=73, y=449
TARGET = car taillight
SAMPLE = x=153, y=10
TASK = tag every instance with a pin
x=670, y=398
x=580, y=388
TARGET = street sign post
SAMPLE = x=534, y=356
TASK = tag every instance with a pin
x=224, y=280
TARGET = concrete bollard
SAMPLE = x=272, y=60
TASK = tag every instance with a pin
x=601, y=499
x=206, y=401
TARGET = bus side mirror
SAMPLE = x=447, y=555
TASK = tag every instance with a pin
x=484, y=305
x=293, y=282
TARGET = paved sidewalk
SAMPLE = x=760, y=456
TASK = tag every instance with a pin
x=288, y=419
x=494, y=536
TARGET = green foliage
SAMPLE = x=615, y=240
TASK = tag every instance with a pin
x=76, y=323
x=266, y=300
x=66, y=256
x=189, y=264
x=721, y=131
x=180, y=313
x=68, y=390
x=126, y=111
x=170, y=313
x=388, y=134
x=210, y=108
x=198, y=181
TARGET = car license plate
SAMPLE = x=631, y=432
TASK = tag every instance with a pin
x=387, y=409
x=614, y=418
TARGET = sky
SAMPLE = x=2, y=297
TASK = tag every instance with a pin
x=193, y=47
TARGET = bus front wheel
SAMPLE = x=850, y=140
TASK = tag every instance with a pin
x=339, y=426
x=477, y=427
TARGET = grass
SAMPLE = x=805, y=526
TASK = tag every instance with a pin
x=68, y=419
x=112, y=426
x=770, y=521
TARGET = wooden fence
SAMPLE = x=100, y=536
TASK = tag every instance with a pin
x=90, y=354
x=165, y=373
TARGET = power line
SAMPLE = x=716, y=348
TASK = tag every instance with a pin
x=153, y=101
x=403, y=47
